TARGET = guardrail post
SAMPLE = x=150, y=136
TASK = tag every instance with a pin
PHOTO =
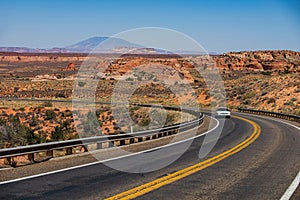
x=271, y=114
x=122, y=142
x=49, y=153
x=85, y=149
x=69, y=151
x=111, y=144
x=99, y=145
x=8, y=161
x=131, y=140
x=31, y=157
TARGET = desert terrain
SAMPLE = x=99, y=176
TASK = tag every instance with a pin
x=266, y=80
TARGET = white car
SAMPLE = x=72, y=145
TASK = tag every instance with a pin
x=223, y=112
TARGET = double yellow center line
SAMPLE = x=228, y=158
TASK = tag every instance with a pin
x=150, y=186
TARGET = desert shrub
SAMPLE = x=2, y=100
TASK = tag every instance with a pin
x=107, y=130
x=81, y=84
x=293, y=99
x=2, y=122
x=63, y=131
x=16, y=134
x=33, y=121
x=264, y=93
x=50, y=114
x=129, y=79
x=288, y=103
x=266, y=73
x=91, y=125
x=68, y=113
x=271, y=100
x=144, y=121
x=246, y=102
x=57, y=134
x=265, y=84
x=42, y=136
x=286, y=70
x=47, y=104
x=60, y=94
x=98, y=112
x=248, y=95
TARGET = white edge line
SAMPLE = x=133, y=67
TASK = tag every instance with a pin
x=292, y=188
x=294, y=185
x=110, y=159
x=270, y=118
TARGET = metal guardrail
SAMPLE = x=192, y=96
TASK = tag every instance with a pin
x=104, y=141
x=295, y=118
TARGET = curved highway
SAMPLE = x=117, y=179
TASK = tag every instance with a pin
x=262, y=170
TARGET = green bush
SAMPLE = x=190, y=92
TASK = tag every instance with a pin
x=266, y=73
x=33, y=121
x=248, y=95
x=81, y=84
x=17, y=134
x=289, y=103
x=293, y=99
x=91, y=125
x=57, y=134
x=63, y=131
x=47, y=104
x=50, y=114
x=60, y=94
x=271, y=100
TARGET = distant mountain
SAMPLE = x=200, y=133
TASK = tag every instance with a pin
x=98, y=45
x=108, y=44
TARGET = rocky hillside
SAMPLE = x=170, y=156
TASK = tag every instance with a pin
x=267, y=80
x=260, y=60
x=278, y=93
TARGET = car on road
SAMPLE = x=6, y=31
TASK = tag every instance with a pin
x=223, y=112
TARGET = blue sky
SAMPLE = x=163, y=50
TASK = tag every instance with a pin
x=219, y=26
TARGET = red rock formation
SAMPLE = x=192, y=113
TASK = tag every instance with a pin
x=259, y=60
x=246, y=60
x=70, y=67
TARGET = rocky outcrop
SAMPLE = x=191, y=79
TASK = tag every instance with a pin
x=259, y=60
x=70, y=67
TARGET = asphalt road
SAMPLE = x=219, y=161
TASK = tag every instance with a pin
x=263, y=170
